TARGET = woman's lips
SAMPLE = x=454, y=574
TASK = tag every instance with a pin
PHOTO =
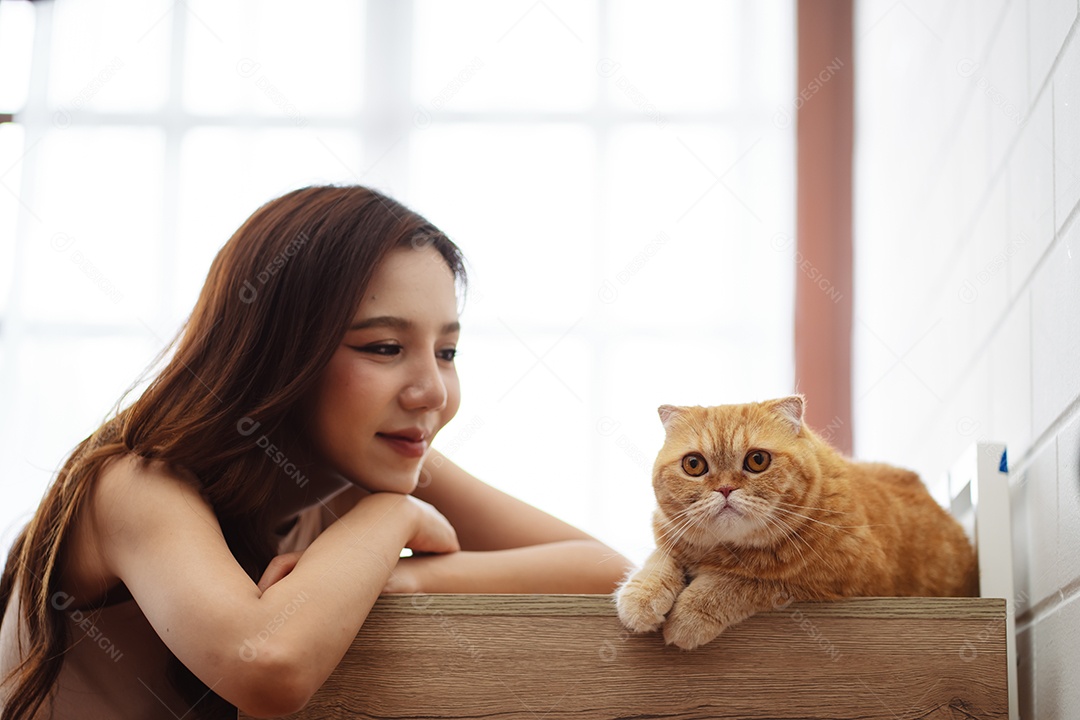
x=404, y=445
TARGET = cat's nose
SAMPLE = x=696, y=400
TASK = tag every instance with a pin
x=726, y=489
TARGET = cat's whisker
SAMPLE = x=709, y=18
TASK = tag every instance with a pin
x=680, y=530
x=677, y=535
x=763, y=508
x=693, y=516
x=681, y=515
x=756, y=510
x=678, y=516
x=686, y=517
x=681, y=523
x=793, y=533
x=783, y=531
x=811, y=507
x=821, y=522
x=676, y=526
x=771, y=523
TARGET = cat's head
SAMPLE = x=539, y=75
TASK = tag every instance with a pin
x=733, y=474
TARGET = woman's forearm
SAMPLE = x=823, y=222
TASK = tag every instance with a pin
x=569, y=566
x=317, y=609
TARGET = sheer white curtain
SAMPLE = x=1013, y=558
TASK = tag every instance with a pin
x=619, y=175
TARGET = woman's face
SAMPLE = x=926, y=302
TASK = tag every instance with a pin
x=391, y=384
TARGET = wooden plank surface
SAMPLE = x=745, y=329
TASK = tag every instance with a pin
x=527, y=657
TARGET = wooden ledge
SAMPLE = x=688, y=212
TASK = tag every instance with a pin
x=553, y=605
x=525, y=657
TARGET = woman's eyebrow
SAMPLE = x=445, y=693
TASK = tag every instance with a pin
x=397, y=323
x=382, y=321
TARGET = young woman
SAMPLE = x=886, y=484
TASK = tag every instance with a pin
x=218, y=543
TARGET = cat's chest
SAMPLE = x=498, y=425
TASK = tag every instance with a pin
x=755, y=563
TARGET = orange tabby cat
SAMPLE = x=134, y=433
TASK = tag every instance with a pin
x=755, y=510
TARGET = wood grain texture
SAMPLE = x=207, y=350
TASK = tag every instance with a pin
x=527, y=657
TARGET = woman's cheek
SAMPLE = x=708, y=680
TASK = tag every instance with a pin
x=453, y=396
x=363, y=378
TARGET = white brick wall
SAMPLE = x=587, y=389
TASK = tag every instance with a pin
x=967, y=256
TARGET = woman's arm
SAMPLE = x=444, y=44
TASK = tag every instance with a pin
x=569, y=566
x=266, y=652
x=486, y=518
x=508, y=546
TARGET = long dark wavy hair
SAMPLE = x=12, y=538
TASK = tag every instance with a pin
x=277, y=301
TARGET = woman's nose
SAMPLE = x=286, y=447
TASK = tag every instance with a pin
x=426, y=389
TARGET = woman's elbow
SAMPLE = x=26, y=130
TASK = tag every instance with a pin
x=607, y=567
x=271, y=683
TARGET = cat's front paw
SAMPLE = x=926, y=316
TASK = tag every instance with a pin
x=642, y=608
x=688, y=628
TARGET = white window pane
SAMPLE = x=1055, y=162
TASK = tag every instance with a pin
x=16, y=40
x=93, y=251
x=215, y=59
x=624, y=451
x=534, y=414
x=11, y=165
x=109, y=55
x=279, y=59
x=519, y=200
x=677, y=56
x=694, y=215
x=66, y=388
x=226, y=174
x=768, y=58
x=672, y=228
x=480, y=55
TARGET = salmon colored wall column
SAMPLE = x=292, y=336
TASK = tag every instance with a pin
x=823, y=283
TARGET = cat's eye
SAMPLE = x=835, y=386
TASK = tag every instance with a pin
x=694, y=465
x=757, y=461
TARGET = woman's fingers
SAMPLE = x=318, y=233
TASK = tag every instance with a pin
x=434, y=533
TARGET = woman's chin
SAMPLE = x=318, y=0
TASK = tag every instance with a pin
x=395, y=482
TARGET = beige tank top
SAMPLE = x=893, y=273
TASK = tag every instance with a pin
x=115, y=668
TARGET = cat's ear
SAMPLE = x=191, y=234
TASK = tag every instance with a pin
x=669, y=413
x=791, y=409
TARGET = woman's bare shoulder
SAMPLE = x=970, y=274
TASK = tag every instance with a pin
x=127, y=493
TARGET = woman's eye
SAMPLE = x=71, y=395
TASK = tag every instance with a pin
x=448, y=354
x=694, y=465
x=757, y=461
x=380, y=349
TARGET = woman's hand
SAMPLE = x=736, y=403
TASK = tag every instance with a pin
x=433, y=532
x=434, y=537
